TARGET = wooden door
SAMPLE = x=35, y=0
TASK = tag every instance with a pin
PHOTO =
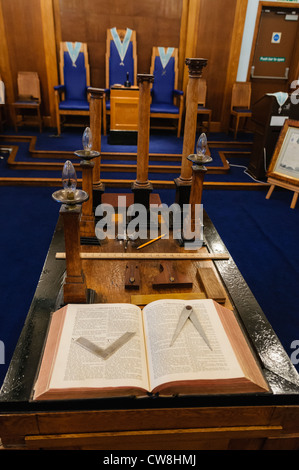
x=274, y=50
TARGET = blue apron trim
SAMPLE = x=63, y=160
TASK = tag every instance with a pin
x=73, y=51
x=121, y=46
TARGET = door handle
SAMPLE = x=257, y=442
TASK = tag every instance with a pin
x=286, y=75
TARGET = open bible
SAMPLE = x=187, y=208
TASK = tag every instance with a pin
x=106, y=350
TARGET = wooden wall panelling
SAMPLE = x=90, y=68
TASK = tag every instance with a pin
x=218, y=25
x=47, y=15
x=25, y=43
x=182, y=45
x=5, y=71
x=233, y=61
x=57, y=26
x=190, y=39
x=199, y=28
x=156, y=24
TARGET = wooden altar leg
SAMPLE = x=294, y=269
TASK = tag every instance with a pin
x=75, y=290
x=141, y=186
x=183, y=182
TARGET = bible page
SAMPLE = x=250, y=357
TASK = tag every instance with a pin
x=102, y=325
x=189, y=358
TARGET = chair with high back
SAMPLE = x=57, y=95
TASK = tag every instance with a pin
x=121, y=63
x=240, y=105
x=71, y=96
x=202, y=110
x=167, y=100
x=26, y=109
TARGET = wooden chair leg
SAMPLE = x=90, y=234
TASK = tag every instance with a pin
x=209, y=123
x=104, y=118
x=179, y=126
x=1, y=119
x=58, y=123
x=14, y=117
x=39, y=119
x=237, y=126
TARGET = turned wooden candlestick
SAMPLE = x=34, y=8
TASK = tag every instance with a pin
x=74, y=289
x=141, y=186
x=87, y=222
x=198, y=174
x=183, y=182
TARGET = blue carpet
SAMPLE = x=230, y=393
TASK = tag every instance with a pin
x=29, y=216
x=160, y=143
x=262, y=237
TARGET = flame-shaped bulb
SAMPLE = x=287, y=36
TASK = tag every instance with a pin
x=69, y=179
x=87, y=140
x=201, y=146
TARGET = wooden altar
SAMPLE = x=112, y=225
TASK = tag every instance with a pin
x=252, y=421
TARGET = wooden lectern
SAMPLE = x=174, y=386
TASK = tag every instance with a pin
x=124, y=103
x=268, y=118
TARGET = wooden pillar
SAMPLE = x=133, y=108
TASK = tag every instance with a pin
x=183, y=182
x=95, y=106
x=75, y=290
x=141, y=186
x=48, y=26
x=87, y=223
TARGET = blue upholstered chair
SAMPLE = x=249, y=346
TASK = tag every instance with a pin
x=167, y=100
x=121, y=58
x=203, y=112
x=240, y=105
x=71, y=97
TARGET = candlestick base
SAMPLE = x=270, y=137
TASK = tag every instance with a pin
x=97, y=193
x=142, y=193
x=78, y=197
x=87, y=226
x=86, y=155
x=74, y=290
x=183, y=189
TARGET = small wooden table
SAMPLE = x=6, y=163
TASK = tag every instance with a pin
x=124, y=102
x=238, y=421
